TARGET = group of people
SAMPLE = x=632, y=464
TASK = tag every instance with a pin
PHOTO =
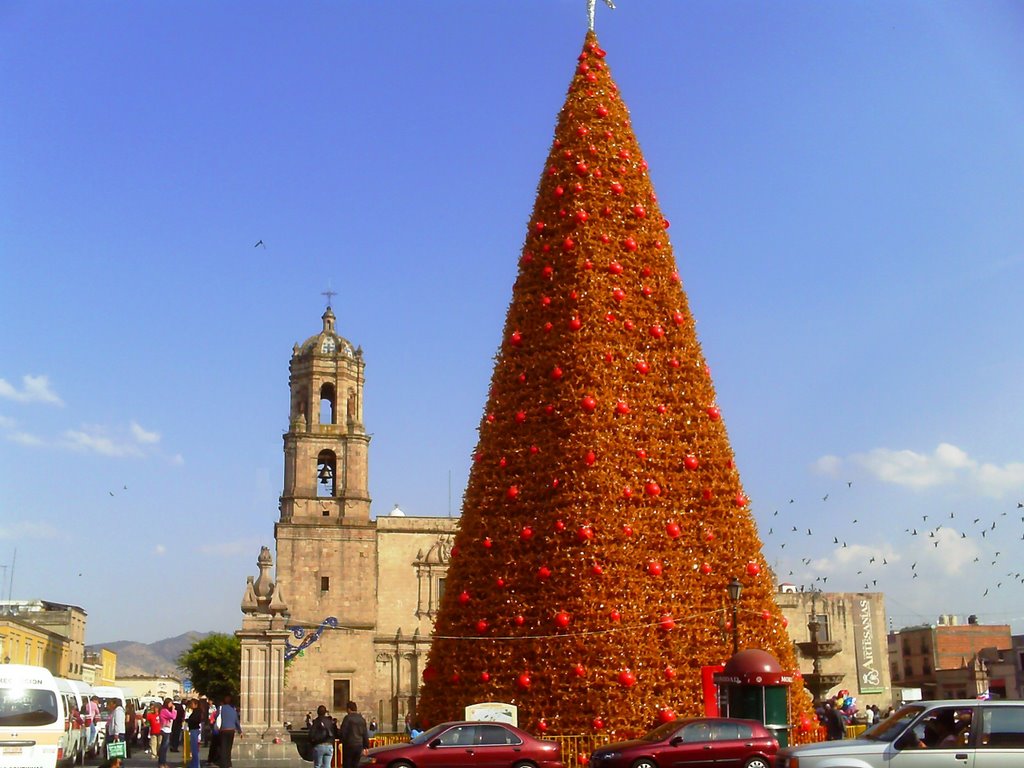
x=162, y=727
x=352, y=733
x=837, y=712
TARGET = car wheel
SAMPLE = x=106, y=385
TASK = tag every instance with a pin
x=645, y=762
x=524, y=764
x=401, y=764
x=756, y=762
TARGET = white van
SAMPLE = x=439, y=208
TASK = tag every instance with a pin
x=75, y=742
x=31, y=717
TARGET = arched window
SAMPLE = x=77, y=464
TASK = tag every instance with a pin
x=328, y=399
x=326, y=474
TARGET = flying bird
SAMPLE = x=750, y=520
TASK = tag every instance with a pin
x=849, y=483
x=260, y=245
x=111, y=493
x=825, y=497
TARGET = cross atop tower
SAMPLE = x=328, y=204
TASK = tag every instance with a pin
x=329, y=294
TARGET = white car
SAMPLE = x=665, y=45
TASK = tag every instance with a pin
x=959, y=734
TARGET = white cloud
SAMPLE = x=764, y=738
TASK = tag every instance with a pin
x=828, y=465
x=34, y=389
x=28, y=530
x=142, y=436
x=946, y=465
x=25, y=438
x=160, y=549
x=92, y=439
x=6, y=422
x=177, y=459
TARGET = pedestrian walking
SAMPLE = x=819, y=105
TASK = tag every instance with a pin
x=194, y=725
x=153, y=719
x=229, y=726
x=322, y=735
x=167, y=715
x=354, y=736
x=178, y=726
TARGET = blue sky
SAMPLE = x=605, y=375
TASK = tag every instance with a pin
x=845, y=183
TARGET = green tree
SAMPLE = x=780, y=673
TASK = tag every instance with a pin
x=214, y=664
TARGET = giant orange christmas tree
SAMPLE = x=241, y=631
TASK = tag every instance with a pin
x=604, y=514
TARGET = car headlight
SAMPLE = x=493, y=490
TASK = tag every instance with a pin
x=605, y=756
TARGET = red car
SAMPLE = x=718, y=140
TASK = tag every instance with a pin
x=488, y=745
x=709, y=742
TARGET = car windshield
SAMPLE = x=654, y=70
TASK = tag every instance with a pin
x=664, y=731
x=427, y=736
x=26, y=707
x=894, y=725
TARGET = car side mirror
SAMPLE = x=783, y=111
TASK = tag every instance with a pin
x=675, y=741
x=434, y=744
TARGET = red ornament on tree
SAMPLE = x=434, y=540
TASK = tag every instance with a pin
x=705, y=568
x=598, y=723
x=753, y=568
x=714, y=414
x=542, y=726
x=513, y=492
x=481, y=626
x=464, y=597
x=666, y=715
x=615, y=616
x=673, y=530
x=585, y=533
x=626, y=678
x=562, y=619
x=579, y=670
x=651, y=488
x=526, y=534
x=543, y=573
x=588, y=403
x=691, y=462
x=590, y=458
x=670, y=673
x=524, y=681
x=485, y=677
x=666, y=622
x=655, y=568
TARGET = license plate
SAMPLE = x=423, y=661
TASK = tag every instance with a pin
x=13, y=750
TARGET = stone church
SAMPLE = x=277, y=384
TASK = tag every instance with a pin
x=361, y=591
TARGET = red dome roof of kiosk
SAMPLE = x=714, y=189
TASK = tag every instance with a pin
x=754, y=667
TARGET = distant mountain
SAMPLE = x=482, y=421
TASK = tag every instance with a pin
x=159, y=658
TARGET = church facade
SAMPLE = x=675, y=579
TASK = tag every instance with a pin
x=362, y=592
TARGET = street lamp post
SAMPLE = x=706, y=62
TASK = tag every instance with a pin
x=735, y=589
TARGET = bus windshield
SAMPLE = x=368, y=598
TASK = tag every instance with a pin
x=27, y=706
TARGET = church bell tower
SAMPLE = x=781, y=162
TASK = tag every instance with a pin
x=326, y=446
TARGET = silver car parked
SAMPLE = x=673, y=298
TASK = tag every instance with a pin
x=927, y=734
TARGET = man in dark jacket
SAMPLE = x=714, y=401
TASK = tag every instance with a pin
x=354, y=737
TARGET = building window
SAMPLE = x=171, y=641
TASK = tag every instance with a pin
x=908, y=671
x=325, y=583
x=440, y=590
x=824, y=634
x=927, y=670
x=327, y=404
x=342, y=694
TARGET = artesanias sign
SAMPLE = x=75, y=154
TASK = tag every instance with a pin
x=869, y=678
